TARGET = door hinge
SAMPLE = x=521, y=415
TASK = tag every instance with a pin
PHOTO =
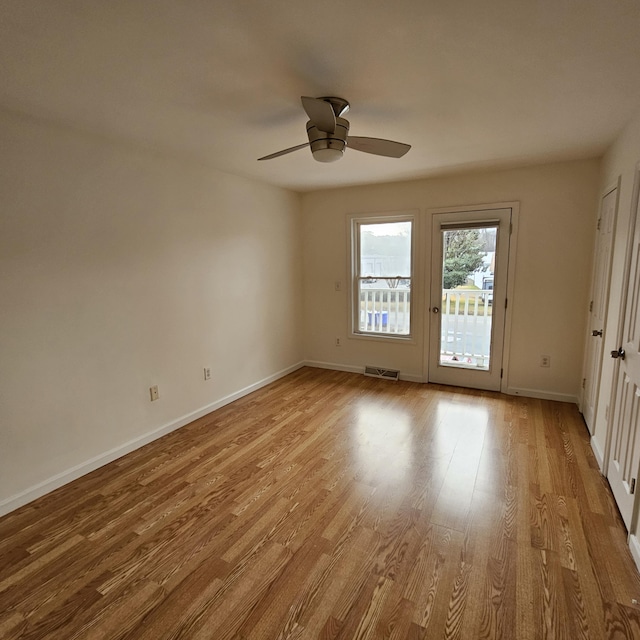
x=501, y=373
x=584, y=382
x=599, y=222
x=506, y=300
x=632, y=488
x=591, y=306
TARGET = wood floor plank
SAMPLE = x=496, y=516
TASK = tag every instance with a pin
x=577, y=612
x=343, y=567
x=65, y=618
x=584, y=572
x=330, y=505
x=491, y=557
x=549, y=600
x=431, y=608
x=182, y=602
x=523, y=615
x=11, y=625
x=362, y=618
x=279, y=613
x=453, y=502
x=119, y=615
x=395, y=618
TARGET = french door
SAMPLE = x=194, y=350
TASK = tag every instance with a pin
x=470, y=256
x=623, y=468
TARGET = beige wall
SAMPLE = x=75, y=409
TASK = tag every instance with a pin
x=619, y=163
x=558, y=204
x=121, y=268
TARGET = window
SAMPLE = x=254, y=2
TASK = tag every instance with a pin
x=382, y=276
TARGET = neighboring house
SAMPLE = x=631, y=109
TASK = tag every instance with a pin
x=483, y=277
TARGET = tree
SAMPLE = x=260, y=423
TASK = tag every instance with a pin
x=463, y=254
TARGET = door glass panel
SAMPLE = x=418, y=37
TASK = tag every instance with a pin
x=468, y=267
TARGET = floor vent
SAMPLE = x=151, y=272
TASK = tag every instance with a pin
x=377, y=372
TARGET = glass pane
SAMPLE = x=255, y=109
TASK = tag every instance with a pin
x=385, y=305
x=384, y=282
x=468, y=267
x=385, y=249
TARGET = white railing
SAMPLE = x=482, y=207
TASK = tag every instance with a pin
x=465, y=327
x=465, y=321
x=385, y=310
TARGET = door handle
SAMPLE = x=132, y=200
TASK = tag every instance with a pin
x=595, y=333
x=618, y=354
x=435, y=309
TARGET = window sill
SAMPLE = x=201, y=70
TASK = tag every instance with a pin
x=383, y=337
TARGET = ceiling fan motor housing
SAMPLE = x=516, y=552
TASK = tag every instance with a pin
x=328, y=147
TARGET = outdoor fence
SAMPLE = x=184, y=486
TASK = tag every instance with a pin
x=465, y=320
x=465, y=329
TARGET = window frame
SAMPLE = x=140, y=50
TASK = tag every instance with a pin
x=355, y=222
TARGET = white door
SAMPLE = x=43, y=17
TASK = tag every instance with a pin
x=598, y=306
x=624, y=452
x=470, y=256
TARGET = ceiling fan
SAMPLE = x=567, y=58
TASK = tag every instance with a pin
x=328, y=133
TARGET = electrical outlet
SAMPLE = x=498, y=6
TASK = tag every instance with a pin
x=545, y=361
x=338, y=343
x=207, y=373
x=153, y=392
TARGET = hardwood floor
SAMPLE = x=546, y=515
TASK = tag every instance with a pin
x=330, y=505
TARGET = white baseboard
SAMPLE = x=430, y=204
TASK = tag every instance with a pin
x=64, y=477
x=634, y=545
x=333, y=366
x=416, y=377
x=542, y=395
x=412, y=377
x=409, y=377
x=597, y=452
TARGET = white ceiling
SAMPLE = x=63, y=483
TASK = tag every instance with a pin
x=468, y=83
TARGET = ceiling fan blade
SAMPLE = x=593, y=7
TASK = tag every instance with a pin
x=320, y=113
x=284, y=152
x=378, y=146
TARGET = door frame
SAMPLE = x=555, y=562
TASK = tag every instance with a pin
x=514, y=205
x=588, y=337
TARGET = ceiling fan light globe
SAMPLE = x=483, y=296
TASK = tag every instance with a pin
x=328, y=155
